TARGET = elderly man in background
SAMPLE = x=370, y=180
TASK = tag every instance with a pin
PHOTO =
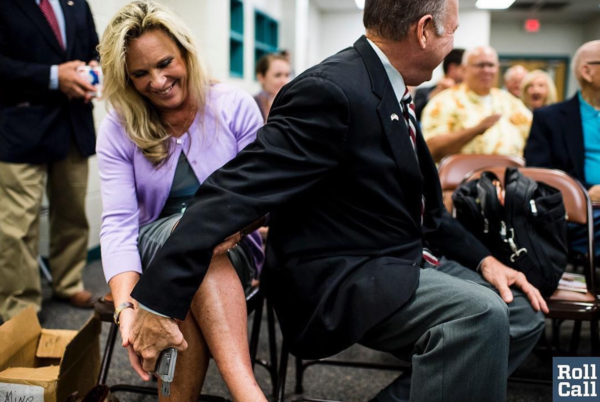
x=475, y=117
x=513, y=77
x=566, y=135
x=453, y=74
x=46, y=136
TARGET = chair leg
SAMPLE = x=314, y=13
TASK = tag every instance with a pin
x=282, y=372
x=556, y=334
x=595, y=338
x=299, y=376
x=256, y=331
x=272, y=346
x=574, y=346
x=108, y=351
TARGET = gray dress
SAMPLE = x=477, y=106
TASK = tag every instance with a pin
x=154, y=234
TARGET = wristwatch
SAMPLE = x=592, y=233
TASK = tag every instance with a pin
x=119, y=309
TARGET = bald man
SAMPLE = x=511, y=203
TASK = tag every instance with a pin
x=566, y=135
x=475, y=117
x=513, y=78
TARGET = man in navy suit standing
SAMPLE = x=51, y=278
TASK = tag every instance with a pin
x=46, y=135
x=566, y=136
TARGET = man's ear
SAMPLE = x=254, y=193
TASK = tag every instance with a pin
x=585, y=73
x=424, y=30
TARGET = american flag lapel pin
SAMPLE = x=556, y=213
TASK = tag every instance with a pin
x=394, y=116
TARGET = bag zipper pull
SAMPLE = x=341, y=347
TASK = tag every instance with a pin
x=503, y=230
x=533, y=207
x=513, y=246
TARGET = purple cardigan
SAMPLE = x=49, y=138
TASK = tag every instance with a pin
x=134, y=192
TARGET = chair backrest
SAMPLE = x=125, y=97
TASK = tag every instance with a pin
x=577, y=201
x=454, y=168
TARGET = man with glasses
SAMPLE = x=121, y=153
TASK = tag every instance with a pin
x=475, y=117
x=566, y=136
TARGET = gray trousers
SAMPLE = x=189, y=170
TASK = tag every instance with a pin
x=463, y=340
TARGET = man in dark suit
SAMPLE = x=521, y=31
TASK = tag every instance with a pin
x=353, y=195
x=453, y=74
x=566, y=136
x=46, y=133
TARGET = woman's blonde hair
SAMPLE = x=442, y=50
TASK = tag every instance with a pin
x=528, y=80
x=140, y=118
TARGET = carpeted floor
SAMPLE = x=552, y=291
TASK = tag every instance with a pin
x=320, y=382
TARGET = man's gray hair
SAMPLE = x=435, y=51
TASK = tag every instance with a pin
x=517, y=68
x=392, y=19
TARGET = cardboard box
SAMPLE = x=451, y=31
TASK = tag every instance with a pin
x=47, y=364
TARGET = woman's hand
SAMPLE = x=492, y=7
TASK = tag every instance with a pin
x=229, y=243
x=126, y=319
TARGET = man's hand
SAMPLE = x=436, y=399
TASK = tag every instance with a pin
x=229, y=243
x=487, y=123
x=126, y=320
x=502, y=277
x=71, y=83
x=151, y=334
x=594, y=193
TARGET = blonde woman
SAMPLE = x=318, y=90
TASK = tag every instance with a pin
x=169, y=129
x=538, y=90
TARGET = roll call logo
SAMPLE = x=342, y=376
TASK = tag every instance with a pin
x=575, y=378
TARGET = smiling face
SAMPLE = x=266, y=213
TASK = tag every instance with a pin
x=276, y=76
x=157, y=70
x=536, y=93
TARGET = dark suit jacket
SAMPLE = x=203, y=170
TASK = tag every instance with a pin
x=556, y=139
x=344, y=187
x=421, y=100
x=37, y=124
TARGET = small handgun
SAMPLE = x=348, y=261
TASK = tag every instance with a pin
x=165, y=369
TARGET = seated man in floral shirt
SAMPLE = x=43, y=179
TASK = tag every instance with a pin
x=475, y=117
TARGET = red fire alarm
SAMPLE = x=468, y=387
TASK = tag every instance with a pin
x=532, y=25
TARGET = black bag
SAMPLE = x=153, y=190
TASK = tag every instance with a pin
x=524, y=227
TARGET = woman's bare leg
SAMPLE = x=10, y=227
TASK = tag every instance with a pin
x=219, y=307
x=191, y=365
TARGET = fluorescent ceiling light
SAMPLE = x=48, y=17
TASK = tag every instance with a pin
x=494, y=4
x=360, y=4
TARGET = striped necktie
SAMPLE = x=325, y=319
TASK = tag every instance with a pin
x=48, y=12
x=408, y=110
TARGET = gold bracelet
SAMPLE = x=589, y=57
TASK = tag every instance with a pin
x=119, y=309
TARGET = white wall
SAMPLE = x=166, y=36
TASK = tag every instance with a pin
x=592, y=31
x=553, y=39
x=315, y=36
x=338, y=31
